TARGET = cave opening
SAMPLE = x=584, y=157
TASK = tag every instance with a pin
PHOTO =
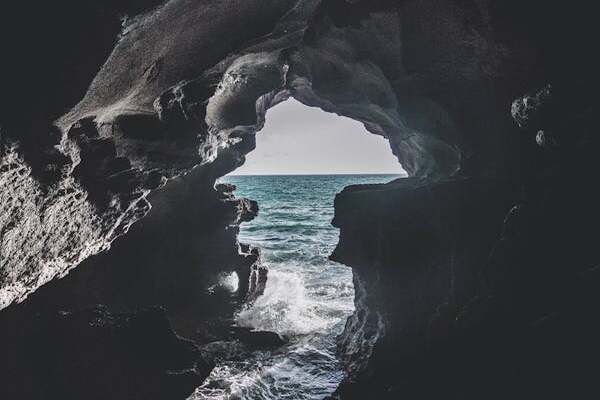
x=303, y=157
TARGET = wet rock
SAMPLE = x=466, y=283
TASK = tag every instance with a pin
x=256, y=339
x=249, y=210
x=225, y=188
x=257, y=280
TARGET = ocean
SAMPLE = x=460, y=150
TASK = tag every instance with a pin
x=307, y=297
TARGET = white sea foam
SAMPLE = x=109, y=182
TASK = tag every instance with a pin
x=285, y=307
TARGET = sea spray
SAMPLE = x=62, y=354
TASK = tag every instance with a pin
x=284, y=308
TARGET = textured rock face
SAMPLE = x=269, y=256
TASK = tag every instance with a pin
x=186, y=84
x=175, y=257
x=168, y=99
x=488, y=280
x=46, y=231
x=416, y=265
x=172, y=258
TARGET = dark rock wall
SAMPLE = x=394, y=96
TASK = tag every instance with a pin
x=414, y=265
x=480, y=287
x=97, y=354
x=483, y=286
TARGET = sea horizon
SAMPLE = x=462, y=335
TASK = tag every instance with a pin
x=324, y=174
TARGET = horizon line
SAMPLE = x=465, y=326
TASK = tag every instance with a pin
x=319, y=174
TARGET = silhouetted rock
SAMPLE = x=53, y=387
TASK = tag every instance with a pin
x=249, y=210
x=475, y=277
x=257, y=281
x=97, y=354
x=256, y=339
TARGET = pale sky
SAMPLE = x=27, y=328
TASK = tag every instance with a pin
x=298, y=139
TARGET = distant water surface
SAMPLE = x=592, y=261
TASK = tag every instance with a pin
x=307, y=297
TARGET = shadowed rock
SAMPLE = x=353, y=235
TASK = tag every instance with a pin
x=476, y=277
x=256, y=339
x=98, y=354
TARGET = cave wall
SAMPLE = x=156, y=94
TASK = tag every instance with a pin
x=140, y=106
x=108, y=159
x=167, y=100
x=117, y=321
x=484, y=286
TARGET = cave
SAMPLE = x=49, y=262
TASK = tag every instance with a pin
x=474, y=277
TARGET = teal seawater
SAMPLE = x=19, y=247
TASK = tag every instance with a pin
x=307, y=297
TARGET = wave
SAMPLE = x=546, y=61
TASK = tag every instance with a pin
x=284, y=307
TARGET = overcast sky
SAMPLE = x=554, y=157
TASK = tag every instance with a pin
x=298, y=139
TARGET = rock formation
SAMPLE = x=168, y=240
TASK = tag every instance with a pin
x=119, y=116
x=97, y=354
x=478, y=283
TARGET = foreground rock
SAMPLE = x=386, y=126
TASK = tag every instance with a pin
x=97, y=354
x=255, y=339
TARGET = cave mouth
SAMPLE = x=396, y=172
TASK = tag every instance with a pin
x=303, y=157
